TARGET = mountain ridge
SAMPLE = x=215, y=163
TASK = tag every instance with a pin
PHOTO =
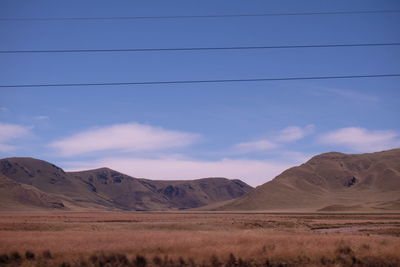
x=104, y=188
x=329, y=181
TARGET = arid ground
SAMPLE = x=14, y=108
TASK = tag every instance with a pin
x=192, y=239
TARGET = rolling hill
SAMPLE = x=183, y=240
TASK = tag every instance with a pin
x=106, y=189
x=16, y=196
x=329, y=182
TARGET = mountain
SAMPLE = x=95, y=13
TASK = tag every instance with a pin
x=106, y=189
x=145, y=194
x=329, y=182
x=52, y=180
x=16, y=196
x=200, y=192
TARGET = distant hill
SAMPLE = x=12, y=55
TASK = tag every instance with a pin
x=200, y=192
x=16, y=196
x=329, y=182
x=106, y=189
x=51, y=179
x=145, y=194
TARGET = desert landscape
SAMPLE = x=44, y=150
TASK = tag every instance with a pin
x=198, y=239
x=368, y=182
x=199, y=133
x=343, y=211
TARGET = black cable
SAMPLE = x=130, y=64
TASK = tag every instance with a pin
x=203, y=81
x=204, y=16
x=195, y=48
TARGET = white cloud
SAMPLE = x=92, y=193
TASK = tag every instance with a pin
x=294, y=156
x=294, y=133
x=6, y=148
x=41, y=118
x=9, y=132
x=129, y=137
x=12, y=131
x=254, y=146
x=286, y=135
x=253, y=172
x=362, y=140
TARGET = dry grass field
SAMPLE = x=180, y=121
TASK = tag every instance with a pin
x=198, y=239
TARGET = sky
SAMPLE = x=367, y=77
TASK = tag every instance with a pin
x=248, y=130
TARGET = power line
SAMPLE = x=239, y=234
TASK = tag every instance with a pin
x=202, y=81
x=196, y=48
x=204, y=16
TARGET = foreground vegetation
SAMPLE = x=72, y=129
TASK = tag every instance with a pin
x=198, y=239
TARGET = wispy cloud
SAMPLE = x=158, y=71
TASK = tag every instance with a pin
x=286, y=135
x=6, y=148
x=3, y=109
x=41, y=118
x=362, y=140
x=9, y=132
x=254, y=146
x=253, y=172
x=354, y=95
x=295, y=156
x=129, y=137
x=294, y=133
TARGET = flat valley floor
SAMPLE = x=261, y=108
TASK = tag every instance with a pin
x=198, y=239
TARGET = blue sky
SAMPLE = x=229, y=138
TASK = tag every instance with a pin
x=251, y=131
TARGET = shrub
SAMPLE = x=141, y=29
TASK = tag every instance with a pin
x=344, y=250
x=47, y=254
x=15, y=256
x=4, y=259
x=140, y=261
x=215, y=261
x=231, y=261
x=181, y=262
x=157, y=260
x=29, y=255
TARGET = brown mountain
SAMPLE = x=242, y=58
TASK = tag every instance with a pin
x=145, y=194
x=200, y=192
x=330, y=182
x=16, y=196
x=108, y=189
x=51, y=179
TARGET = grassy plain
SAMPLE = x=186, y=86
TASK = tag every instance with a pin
x=198, y=239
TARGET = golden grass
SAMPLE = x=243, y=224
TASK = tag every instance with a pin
x=199, y=238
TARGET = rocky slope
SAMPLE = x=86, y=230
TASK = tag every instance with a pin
x=108, y=189
x=14, y=196
x=330, y=182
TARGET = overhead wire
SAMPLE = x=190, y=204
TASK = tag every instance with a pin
x=197, y=48
x=205, y=16
x=201, y=81
x=200, y=49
